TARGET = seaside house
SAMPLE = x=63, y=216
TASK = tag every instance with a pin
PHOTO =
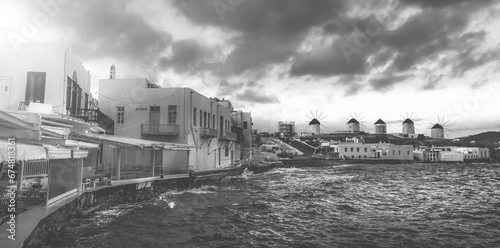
x=355, y=148
x=141, y=109
x=61, y=137
x=452, y=154
x=27, y=76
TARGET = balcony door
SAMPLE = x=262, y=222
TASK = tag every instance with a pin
x=35, y=87
x=154, y=119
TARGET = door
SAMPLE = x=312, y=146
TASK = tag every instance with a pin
x=35, y=87
x=154, y=119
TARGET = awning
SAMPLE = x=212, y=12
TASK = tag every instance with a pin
x=125, y=142
x=80, y=154
x=54, y=152
x=24, y=152
x=72, y=122
x=14, y=125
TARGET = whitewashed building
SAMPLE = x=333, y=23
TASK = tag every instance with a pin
x=144, y=110
x=50, y=74
x=369, y=151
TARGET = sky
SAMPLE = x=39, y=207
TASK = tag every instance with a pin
x=283, y=60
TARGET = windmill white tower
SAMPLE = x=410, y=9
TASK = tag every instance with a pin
x=409, y=123
x=315, y=122
x=438, y=129
x=353, y=125
x=380, y=127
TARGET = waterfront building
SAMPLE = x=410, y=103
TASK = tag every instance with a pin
x=451, y=154
x=63, y=85
x=368, y=151
x=242, y=125
x=145, y=110
x=61, y=135
x=473, y=153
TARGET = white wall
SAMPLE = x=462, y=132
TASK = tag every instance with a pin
x=137, y=99
x=40, y=57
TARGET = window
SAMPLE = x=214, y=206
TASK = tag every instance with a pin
x=201, y=117
x=204, y=119
x=352, y=149
x=120, y=114
x=213, y=122
x=366, y=149
x=365, y=156
x=35, y=87
x=194, y=116
x=172, y=114
x=86, y=104
x=226, y=152
x=359, y=156
x=408, y=152
x=357, y=149
x=245, y=125
x=399, y=153
x=208, y=121
x=393, y=153
x=352, y=156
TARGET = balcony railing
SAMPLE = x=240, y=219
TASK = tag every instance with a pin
x=228, y=136
x=95, y=115
x=208, y=133
x=159, y=129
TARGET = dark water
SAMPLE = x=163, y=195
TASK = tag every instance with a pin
x=410, y=205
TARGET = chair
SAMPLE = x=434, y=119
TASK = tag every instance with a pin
x=22, y=106
x=95, y=182
x=86, y=184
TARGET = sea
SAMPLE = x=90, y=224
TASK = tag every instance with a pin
x=361, y=205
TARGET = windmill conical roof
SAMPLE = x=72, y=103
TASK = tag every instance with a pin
x=437, y=126
x=352, y=121
x=314, y=122
x=408, y=121
x=380, y=121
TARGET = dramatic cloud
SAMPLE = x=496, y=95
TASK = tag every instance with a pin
x=325, y=51
x=268, y=32
x=188, y=56
x=256, y=97
x=108, y=28
x=386, y=82
x=226, y=89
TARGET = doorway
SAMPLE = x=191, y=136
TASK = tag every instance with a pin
x=154, y=119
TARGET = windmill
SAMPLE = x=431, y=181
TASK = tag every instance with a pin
x=438, y=129
x=380, y=127
x=409, y=123
x=315, y=122
x=353, y=125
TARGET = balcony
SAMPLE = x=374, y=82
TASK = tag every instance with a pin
x=160, y=129
x=228, y=136
x=94, y=115
x=208, y=133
